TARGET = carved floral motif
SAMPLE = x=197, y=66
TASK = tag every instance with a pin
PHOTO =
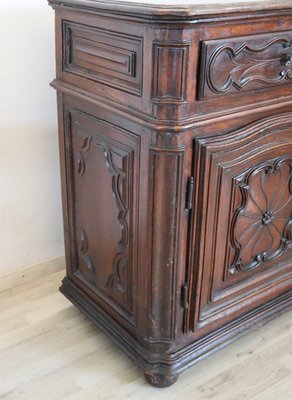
x=262, y=226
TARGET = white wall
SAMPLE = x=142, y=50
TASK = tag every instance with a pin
x=30, y=204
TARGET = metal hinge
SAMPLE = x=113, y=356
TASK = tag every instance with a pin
x=185, y=296
x=190, y=193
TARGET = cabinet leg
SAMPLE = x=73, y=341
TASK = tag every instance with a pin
x=160, y=380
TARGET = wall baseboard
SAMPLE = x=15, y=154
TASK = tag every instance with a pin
x=31, y=272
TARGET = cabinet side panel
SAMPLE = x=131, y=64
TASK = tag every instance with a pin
x=102, y=168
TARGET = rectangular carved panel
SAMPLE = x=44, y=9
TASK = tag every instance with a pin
x=103, y=178
x=243, y=64
x=107, y=57
x=170, y=71
x=245, y=235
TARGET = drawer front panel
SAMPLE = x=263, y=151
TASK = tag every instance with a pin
x=244, y=256
x=243, y=64
x=110, y=58
x=102, y=172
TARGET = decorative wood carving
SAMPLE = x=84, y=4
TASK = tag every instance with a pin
x=170, y=63
x=111, y=58
x=262, y=225
x=121, y=259
x=240, y=64
x=118, y=278
x=84, y=148
x=241, y=174
x=104, y=253
x=86, y=259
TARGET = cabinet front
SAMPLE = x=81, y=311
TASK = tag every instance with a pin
x=242, y=232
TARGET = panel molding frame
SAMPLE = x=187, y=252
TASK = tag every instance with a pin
x=205, y=307
x=162, y=94
x=128, y=77
x=106, y=296
x=167, y=185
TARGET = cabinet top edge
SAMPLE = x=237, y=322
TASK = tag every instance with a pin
x=189, y=9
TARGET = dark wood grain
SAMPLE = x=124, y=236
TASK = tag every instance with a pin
x=106, y=57
x=175, y=131
x=242, y=64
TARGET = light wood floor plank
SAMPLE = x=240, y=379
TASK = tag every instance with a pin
x=31, y=272
x=279, y=391
x=50, y=351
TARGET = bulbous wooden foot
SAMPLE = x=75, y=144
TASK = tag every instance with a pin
x=160, y=380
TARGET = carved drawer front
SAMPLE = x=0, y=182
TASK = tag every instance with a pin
x=102, y=173
x=243, y=243
x=243, y=64
x=110, y=58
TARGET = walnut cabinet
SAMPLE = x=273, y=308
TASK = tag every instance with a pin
x=175, y=130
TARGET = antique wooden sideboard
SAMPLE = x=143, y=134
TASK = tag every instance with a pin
x=175, y=125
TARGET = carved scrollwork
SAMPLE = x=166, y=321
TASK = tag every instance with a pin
x=120, y=262
x=85, y=257
x=236, y=63
x=261, y=229
x=84, y=148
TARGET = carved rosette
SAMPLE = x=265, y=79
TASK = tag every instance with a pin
x=261, y=229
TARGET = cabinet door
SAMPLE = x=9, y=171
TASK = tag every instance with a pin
x=102, y=168
x=242, y=237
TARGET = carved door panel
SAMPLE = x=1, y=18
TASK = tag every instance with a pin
x=102, y=173
x=242, y=244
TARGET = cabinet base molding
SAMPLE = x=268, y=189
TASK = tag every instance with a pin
x=162, y=370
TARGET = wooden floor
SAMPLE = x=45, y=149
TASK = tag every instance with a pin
x=49, y=351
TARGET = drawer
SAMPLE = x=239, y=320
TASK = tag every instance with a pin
x=103, y=56
x=246, y=64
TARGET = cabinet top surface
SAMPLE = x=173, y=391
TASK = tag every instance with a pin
x=189, y=8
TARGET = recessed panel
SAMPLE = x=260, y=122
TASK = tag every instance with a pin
x=103, y=178
x=111, y=58
x=245, y=235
